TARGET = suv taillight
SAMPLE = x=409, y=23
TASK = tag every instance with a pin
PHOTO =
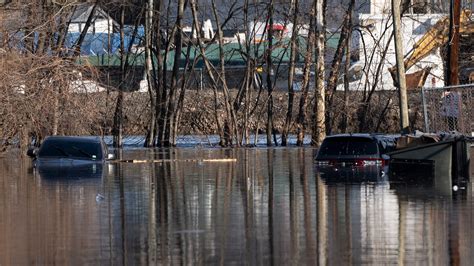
x=367, y=162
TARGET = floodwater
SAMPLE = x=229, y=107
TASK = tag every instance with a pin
x=271, y=206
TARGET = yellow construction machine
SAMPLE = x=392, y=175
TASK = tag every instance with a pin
x=437, y=36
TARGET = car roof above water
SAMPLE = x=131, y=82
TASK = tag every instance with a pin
x=73, y=147
x=75, y=138
x=359, y=135
x=380, y=144
x=381, y=138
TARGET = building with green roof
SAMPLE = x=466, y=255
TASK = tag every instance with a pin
x=235, y=57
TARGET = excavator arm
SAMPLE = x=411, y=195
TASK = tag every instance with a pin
x=436, y=37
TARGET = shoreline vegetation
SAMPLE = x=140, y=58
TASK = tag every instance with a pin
x=93, y=114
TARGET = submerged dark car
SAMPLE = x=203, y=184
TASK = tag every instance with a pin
x=354, y=156
x=70, y=157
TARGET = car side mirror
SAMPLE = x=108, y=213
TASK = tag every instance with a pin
x=32, y=152
x=110, y=156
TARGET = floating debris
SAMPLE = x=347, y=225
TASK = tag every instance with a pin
x=99, y=197
x=200, y=161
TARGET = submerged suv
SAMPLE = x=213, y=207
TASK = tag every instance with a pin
x=70, y=157
x=71, y=148
x=354, y=149
x=353, y=153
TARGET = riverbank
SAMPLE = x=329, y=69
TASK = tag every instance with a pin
x=198, y=112
x=93, y=113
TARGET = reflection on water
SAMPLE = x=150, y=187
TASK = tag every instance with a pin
x=270, y=207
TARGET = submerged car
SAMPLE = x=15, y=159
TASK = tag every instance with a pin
x=355, y=149
x=70, y=157
x=354, y=156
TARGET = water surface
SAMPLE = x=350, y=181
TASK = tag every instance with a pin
x=272, y=206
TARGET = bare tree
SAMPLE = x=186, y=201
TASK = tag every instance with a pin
x=117, y=130
x=345, y=117
x=231, y=116
x=77, y=46
x=335, y=66
x=178, y=44
x=150, y=136
x=319, y=131
x=376, y=59
x=235, y=103
x=269, y=73
x=308, y=64
x=291, y=73
x=43, y=89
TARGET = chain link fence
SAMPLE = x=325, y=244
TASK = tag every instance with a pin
x=449, y=109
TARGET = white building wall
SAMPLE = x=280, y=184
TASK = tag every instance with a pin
x=380, y=6
x=376, y=31
x=99, y=26
x=103, y=26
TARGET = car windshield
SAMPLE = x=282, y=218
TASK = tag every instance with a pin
x=70, y=148
x=348, y=146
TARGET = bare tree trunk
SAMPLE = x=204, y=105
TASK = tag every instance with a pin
x=234, y=132
x=29, y=29
x=65, y=21
x=178, y=44
x=117, y=130
x=248, y=74
x=77, y=46
x=308, y=63
x=365, y=105
x=164, y=96
x=150, y=137
x=210, y=71
x=269, y=72
x=335, y=67
x=42, y=36
x=160, y=81
x=56, y=111
x=381, y=117
x=291, y=75
x=345, y=115
x=184, y=80
x=319, y=130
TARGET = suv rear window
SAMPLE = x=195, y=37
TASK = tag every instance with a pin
x=70, y=148
x=348, y=146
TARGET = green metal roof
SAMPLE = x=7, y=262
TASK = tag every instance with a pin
x=234, y=54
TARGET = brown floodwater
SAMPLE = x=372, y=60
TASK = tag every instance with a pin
x=271, y=206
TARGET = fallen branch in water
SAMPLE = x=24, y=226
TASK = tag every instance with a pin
x=225, y=160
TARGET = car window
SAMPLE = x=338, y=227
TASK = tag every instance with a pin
x=348, y=146
x=71, y=148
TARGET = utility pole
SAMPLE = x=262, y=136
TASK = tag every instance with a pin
x=402, y=87
x=453, y=45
